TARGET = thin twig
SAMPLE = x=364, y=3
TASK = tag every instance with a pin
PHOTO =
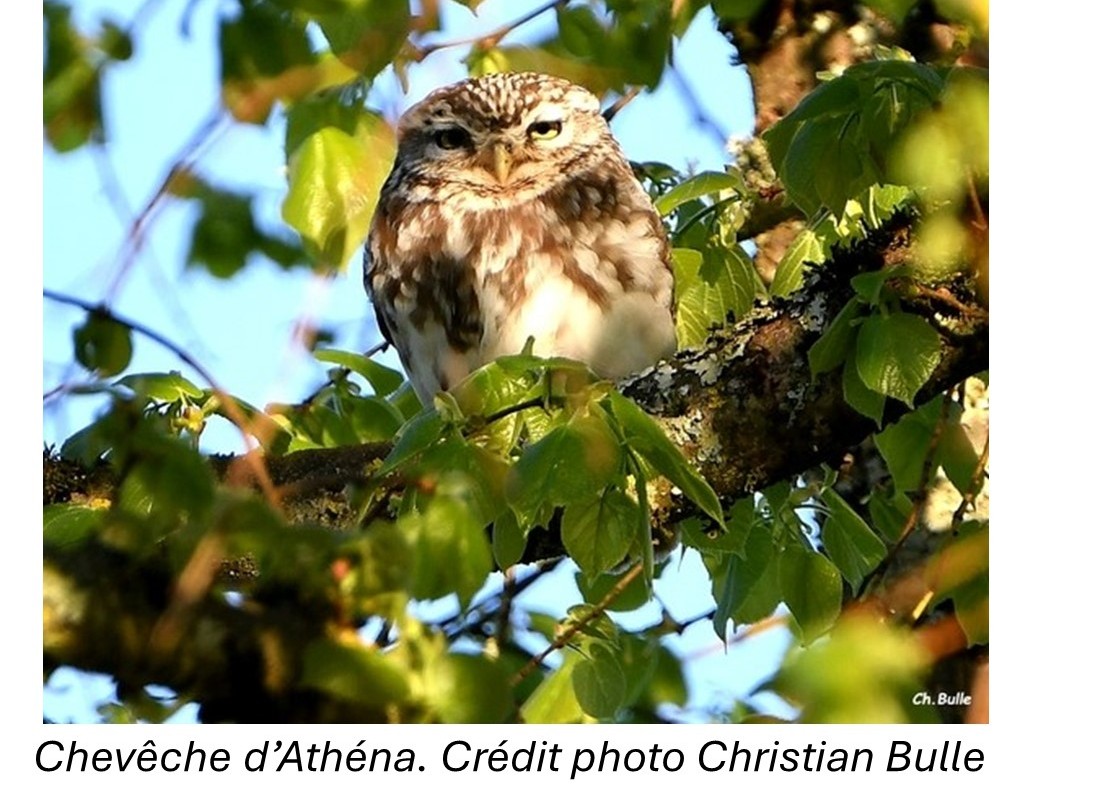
x=625, y=99
x=503, y=615
x=943, y=295
x=482, y=611
x=492, y=38
x=251, y=457
x=753, y=630
x=703, y=119
x=579, y=625
x=136, y=235
x=968, y=497
x=114, y=191
x=977, y=205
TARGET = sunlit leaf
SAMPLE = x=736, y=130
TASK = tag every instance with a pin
x=451, y=550
x=703, y=184
x=384, y=380
x=65, y=524
x=722, y=287
x=335, y=179
x=804, y=251
x=554, y=701
x=571, y=464
x=467, y=689
x=897, y=354
x=599, y=534
x=646, y=437
x=172, y=386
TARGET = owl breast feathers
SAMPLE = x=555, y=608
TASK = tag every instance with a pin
x=511, y=213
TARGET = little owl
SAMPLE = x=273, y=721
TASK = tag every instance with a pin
x=511, y=213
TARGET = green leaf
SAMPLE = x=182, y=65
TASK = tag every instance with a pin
x=103, y=345
x=265, y=54
x=722, y=286
x=580, y=32
x=598, y=534
x=571, y=464
x=667, y=685
x=737, y=9
x=644, y=436
x=830, y=101
x=888, y=514
x=467, y=689
x=869, y=285
x=745, y=582
x=72, y=106
x=967, y=579
x=554, y=701
x=335, y=179
x=805, y=251
x=384, y=380
x=897, y=354
x=957, y=455
x=741, y=518
x=638, y=655
x=881, y=202
x=834, y=345
x=593, y=627
x=822, y=168
x=418, y=435
x=904, y=445
x=868, y=671
x=169, y=480
x=367, y=35
x=811, y=589
x=730, y=588
x=451, y=550
x=703, y=184
x=599, y=682
x=372, y=419
x=865, y=401
x=166, y=387
x=762, y=590
x=509, y=540
x=507, y=382
x=65, y=524
x=853, y=546
x=635, y=595
x=353, y=673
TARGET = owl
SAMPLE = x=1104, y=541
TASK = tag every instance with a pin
x=511, y=214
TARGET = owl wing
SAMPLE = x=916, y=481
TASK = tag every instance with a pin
x=384, y=320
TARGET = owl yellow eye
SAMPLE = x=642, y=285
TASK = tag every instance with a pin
x=544, y=130
x=452, y=138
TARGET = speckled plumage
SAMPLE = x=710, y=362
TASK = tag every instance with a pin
x=493, y=227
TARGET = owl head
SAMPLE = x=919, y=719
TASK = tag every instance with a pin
x=502, y=136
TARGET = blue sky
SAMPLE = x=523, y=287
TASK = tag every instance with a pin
x=242, y=330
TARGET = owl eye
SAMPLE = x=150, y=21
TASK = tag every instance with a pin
x=452, y=138
x=544, y=130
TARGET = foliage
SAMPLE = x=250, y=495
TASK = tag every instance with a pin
x=528, y=446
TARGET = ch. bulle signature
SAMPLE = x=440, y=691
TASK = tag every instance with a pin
x=942, y=699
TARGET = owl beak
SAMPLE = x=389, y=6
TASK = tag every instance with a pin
x=501, y=162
